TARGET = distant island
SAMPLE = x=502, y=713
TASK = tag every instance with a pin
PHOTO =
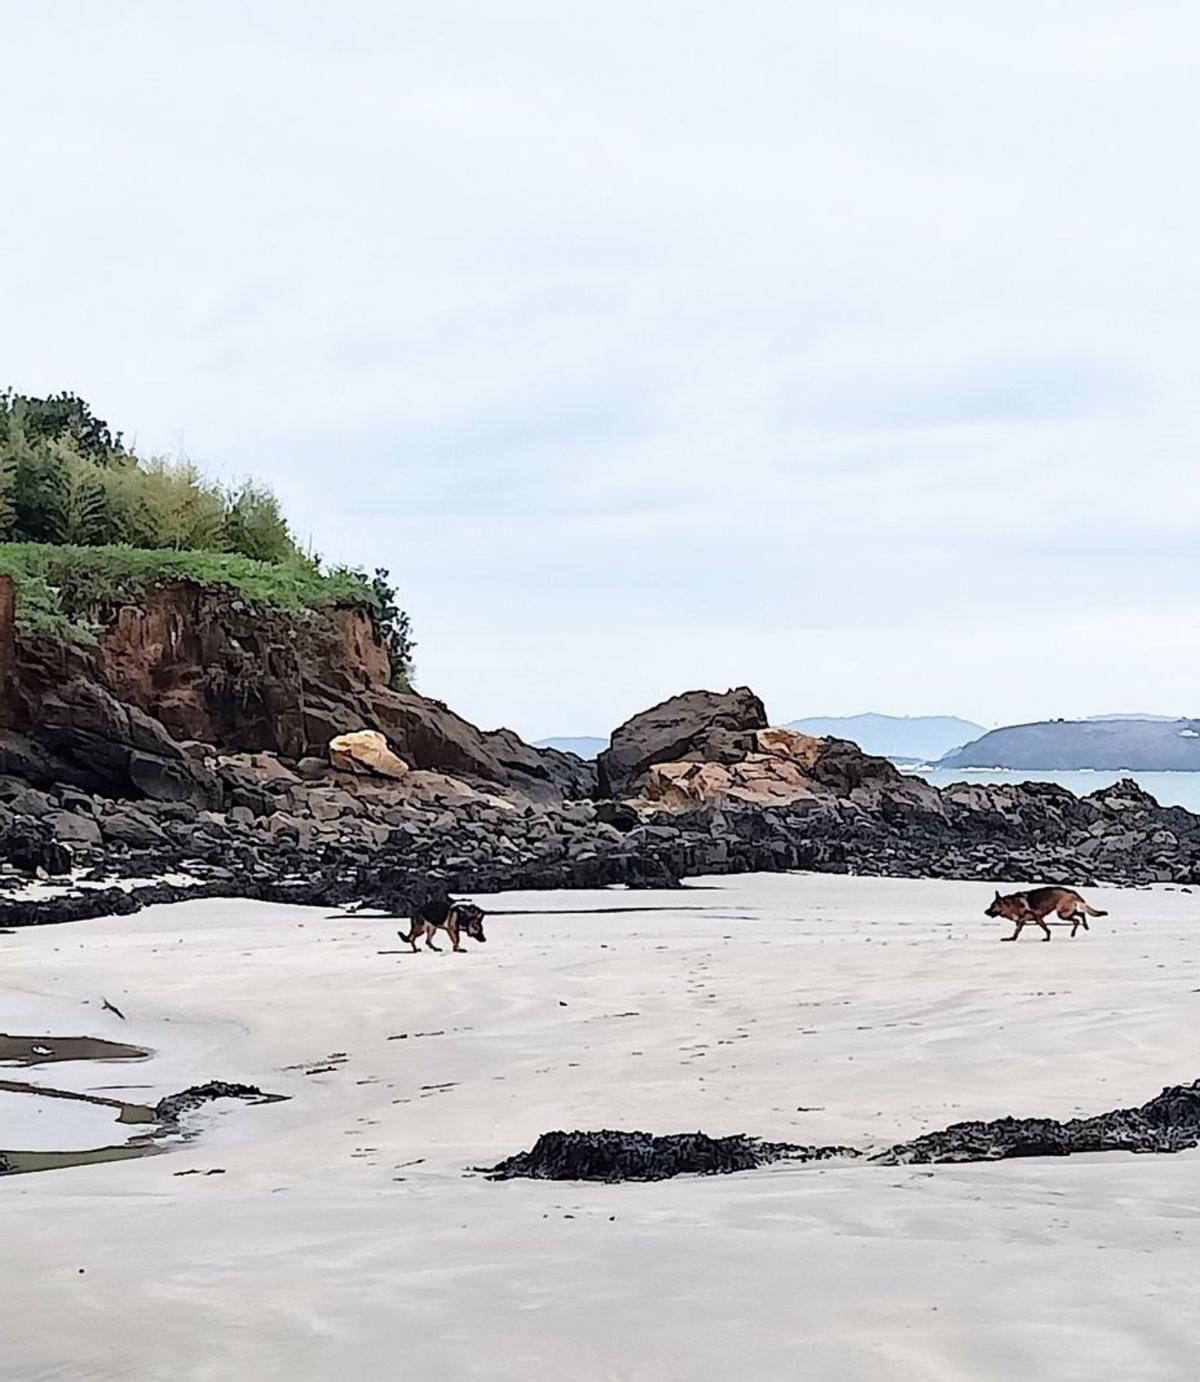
x=1139, y=743
x=915, y=738
x=1149, y=745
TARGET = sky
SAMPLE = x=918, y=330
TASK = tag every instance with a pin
x=848, y=351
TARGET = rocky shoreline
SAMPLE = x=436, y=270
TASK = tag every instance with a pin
x=198, y=750
x=332, y=845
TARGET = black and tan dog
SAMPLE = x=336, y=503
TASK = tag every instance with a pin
x=440, y=913
x=1037, y=905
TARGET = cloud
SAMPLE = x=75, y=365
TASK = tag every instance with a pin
x=831, y=348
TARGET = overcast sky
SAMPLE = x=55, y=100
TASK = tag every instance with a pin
x=844, y=350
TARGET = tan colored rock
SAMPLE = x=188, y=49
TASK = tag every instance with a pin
x=365, y=751
x=790, y=743
x=431, y=786
x=764, y=779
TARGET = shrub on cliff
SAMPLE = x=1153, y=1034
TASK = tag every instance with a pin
x=86, y=525
x=393, y=629
x=66, y=478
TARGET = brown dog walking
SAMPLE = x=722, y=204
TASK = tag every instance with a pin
x=441, y=914
x=1037, y=905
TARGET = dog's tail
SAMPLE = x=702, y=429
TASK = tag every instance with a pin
x=1093, y=911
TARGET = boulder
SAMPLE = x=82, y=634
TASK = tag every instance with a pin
x=617, y=816
x=118, y=750
x=841, y=766
x=72, y=829
x=760, y=780
x=803, y=749
x=365, y=751
x=130, y=827
x=430, y=735
x=163, y=779
x=27, y=846
x=697, y=726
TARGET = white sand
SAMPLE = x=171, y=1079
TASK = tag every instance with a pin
x=883, y=1008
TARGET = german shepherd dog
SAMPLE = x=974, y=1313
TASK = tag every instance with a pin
x=1038, y=904
x=440, y=913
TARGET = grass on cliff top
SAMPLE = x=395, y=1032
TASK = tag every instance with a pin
x=61, y=590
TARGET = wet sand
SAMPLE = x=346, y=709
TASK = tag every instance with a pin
x=339, y=1235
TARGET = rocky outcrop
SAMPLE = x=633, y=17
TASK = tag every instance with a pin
x=781, y=767
x=194, y=664
x=697, y=726
x=97, y=788
x=427, y=734
x=84, y=736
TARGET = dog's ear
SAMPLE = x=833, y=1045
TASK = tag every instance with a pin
x=997, y=894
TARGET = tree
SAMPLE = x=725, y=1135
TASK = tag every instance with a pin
x=393, y=628
x=254, y=524
x=65, y=416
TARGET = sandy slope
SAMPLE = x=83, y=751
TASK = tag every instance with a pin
x=818, y=1009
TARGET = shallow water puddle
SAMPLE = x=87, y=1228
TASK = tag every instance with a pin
x=27, y=1050
x=71, y=1124
x=20, y=1163
x=66, y=1123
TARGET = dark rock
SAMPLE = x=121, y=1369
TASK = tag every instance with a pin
x=82, y=906
x=619, y=1156
x=71, y=828
x=198, y=752
x=28, y=845
x=170, y=1109
x=617, y=814
x=30, y=803
x=133, y=828
x=1170, y=1122
x=428, y=735
x=173, y=780
x=843, y=766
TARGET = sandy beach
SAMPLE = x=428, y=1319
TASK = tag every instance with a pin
x=340, y=1234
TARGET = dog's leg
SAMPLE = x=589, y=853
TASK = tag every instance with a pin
x=1041, y=921
x=429, y=934
x=1015, y=934
x=452, y=932
x=1074, y=926
x=411, y=938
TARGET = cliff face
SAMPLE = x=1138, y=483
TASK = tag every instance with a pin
x=212, y=670
x=199, y=665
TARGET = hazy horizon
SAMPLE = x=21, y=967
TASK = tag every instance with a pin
x=604, y=732
x=843, y=352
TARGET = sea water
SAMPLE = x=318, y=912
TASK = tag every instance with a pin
x=1169, y=789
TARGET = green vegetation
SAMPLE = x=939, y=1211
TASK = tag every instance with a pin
x=68, y=589
x=66, y=478
x=87, y=526
x=392, y=628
